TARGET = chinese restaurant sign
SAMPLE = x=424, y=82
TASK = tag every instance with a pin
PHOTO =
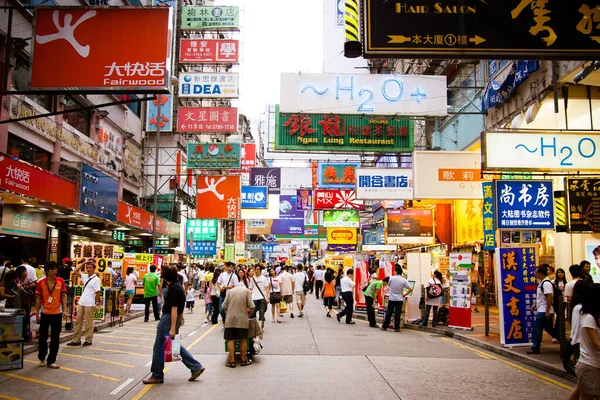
x=524, y=204
x=213, y=155
x=218, y=197
x=515, y=267
x=211, y=51
x=489, y=223
x=330, y=199
x=210, y=18
x=337, y=175
x=583, y=201
x=207, y=119
x=432, y=29
x=384, y=183
x=165, y=119
x=343, y=133
x=93, y=55
x=341, y=219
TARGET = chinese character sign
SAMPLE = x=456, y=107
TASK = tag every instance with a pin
x=207, y=119
x=328, y=199
x=209, y=17
x=304, y=199
x=240, y=231
x=341, y=219
x=337, y=175
x=384, y=183
x=208, y=51
x=583, y=196
x=209, y=85
x=524, y=204
x=515, y=268
x=269, y=177
x=202, y=248
x=489, y=223
x=165, y=119
x=201, y=230
x=229, y=228
x=218, y=197
x=254, y=197
x=213, y=155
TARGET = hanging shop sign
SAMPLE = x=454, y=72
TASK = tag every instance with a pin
x=488, y=214
x=165, y=119
x=343, y=133
x=269, y=177
x=202, y=230
x=201, y=248
x=304, y=199
x=218, y=197
x=248, y=158
x=373, y=235
x=414, y=225
x=384, y=183
x=207, y=119
x=337, y=175
x=213, y=155
x=31, y=181
x=378, y=94
x=432, y=29
x=447, y=175
x=93, y=62
x=209, y=51
x=517, y=286
x=209, y=85
x=142, y=219
x=583, y=204
x=210, y=18
x=99, y=194
x=502, y=86
x=20, y=221
x=229, y=229
x=341, y=219
x=229, y=252
x=240, y=231
x=524, y=204
x=254, y=197
x=329, y=199
x=541, y=151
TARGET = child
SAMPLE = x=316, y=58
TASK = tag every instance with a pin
x=189, y=300
x=207, y=303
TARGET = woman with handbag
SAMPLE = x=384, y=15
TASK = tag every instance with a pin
x=275, y=294
x=434, y=293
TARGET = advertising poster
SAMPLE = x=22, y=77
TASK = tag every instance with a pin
x=337, y=175
x=100, y=313
x=214, y=155
x=291, y=220
x=517, y=285
x=592, y=254
x=341, y=219
x=361, y=279
x=342, y=239
x=329, y=199
x=460, y=290
x=413, y=225
x=304, y=199
x=254, y=197
x=468, y=221
x=373, y=234
x=269, y=177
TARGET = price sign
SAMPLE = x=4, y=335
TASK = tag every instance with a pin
x=101, y=264
x=144, y=258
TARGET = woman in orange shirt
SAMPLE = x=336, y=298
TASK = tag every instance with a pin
x=329, y=291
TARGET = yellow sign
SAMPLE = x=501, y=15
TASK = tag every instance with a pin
x=101, y=264
x=348, y=262
x=469, y=221
x=341, y=235
x=145, y=258
x=241, y=260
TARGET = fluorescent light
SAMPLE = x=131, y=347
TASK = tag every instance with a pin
x=72, y=223
x=43, y=209
x=29, y=205
x=122, y=228
x=145, y=234
x=2, y=236
x=15, y=237
x=59, y=212
x=51, y=226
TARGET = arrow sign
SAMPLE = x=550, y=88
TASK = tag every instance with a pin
x=541, y=223
x=477, y=40
x=399, y=39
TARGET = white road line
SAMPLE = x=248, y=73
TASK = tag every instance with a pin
x=148, y=364
x=122, y=386
x=203, y=325
x=192, y=333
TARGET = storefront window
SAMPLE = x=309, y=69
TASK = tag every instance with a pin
x=26, y=151
x=79, y=120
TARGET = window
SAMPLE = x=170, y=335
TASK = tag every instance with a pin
x=29, y=152
x=134, y=106
x=79, y=120
x=20, y=81
x=130, y=197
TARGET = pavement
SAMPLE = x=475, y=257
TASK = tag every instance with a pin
x=308, y=357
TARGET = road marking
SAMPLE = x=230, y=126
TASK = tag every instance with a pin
x=203, y=325
x=129, y=337
x=119, y=351
x=3, y=396
x=77, y=371
x=108, y=378
x=192, y=333
x=126, y=345
x=122, y=386
x=141, y=333
x=205, y=334
x=97, y=359
x=149, y=363
x=24, y=378
x=146, y=389
x=138, y=327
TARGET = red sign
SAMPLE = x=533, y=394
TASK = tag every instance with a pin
x=218, y=197
x=337, y=199
x=207, y=119
x=248, y=159
x=23, y=178
x=209, y=51
x=142, y=219
x=95, y=52
x=240, y=231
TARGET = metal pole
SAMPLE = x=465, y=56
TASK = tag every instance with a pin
x=156, y=147
x=486, y=309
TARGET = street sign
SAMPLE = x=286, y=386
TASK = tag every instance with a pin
x=254, y=196
x=583, y=201
x=469, y=29
x=524, y=204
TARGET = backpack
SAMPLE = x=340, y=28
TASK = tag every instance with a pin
x=305, y=285
x=556, y=293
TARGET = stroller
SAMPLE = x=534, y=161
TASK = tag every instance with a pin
x=254, y=344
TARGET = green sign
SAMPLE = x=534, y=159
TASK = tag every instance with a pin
x=119, y=236
x=311, y=232
x=229, y=254
x=341, y=219
x=207, y=17
x=343, y=133
x=135, y=242
x=201, y=230
x=214, y=155
x=525, y=176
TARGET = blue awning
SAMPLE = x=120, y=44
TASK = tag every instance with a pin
x=499, y=90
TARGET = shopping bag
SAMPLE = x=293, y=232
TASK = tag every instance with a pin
x=172, y=348
x=283, y=307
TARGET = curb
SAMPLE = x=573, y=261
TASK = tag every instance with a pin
x=34, y=346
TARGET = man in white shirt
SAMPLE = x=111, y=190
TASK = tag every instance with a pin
x=319, y=276
x=575, y=271
x=347, y=284
x=260, y=293
x=545, y=311
x=286, y=283
x=396, y=300
x=299, y=278
x=110, y=270
x=227, y=280
x=31, y=275
x=89, y=302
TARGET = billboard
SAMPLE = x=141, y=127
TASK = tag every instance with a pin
x=291, y=220
x=337, y=175
x=269, y=177
x=414, y=225
x=218, y=197
x=328, y=199
x=210, y=18
x=208, y=85
x=341, y=219
x=165, y=119
x=95, y=55
x=378, y=94
x=99, y=195
x=202, y=230
x=304, y=199
x=384, y=183
x=342, y=235
x=524, y=204
x=213, y=155
x=254, y=197
x=343, y=133
x=207, y=119
x=373, y=235
x=210, y=51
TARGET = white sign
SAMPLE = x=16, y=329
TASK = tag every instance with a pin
x=447, y=175
x=363, y=94
x=576, y=151
x=379, y=247
x=209, y=85
x=384, y=183
x=271, y=212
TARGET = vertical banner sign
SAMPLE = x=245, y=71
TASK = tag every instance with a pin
x=460, y=290
x=515, y=268
x=583, y=201
x=304, y=199
x=489, y=224
x=165, y=119
x=229, y=253
x=229, y=227
x=240, y=231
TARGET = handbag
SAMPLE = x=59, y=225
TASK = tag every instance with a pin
x=276, y=297
x=434, y=291
x=172, y=348
x=283, y=307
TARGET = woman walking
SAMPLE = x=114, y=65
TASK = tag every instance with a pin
x=329, y=292
x=129, y=288
x=215, y=294
x=275, y=296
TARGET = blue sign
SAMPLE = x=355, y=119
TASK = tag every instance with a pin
x=373, y=234
x=165, y=119
x=268, y=247
x=497, y=92
x=489, y=223
x=518, y=288
x=99, y=194
x=524, y=204
x=254, y=196
x=201, y=248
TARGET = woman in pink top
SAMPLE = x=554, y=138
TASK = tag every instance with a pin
x=130, y=288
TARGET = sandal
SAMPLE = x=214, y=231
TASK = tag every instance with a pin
x=246, y=362
x=230, y=364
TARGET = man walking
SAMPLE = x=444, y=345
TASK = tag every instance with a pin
x=319, y=276
x=348, y=296
x=545, y=311
x=88, y=303
x=152, y=290
x=370, y=299
x=227, y=280
x=397, y=285
x=238, y=304
x=310, y=273
x=299, y=279
x=286, y=283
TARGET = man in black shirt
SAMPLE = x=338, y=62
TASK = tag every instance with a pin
x=169, y=324
x=65, y=270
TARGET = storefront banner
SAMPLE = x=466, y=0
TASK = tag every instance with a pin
x=211, y=51
x=165, y=119
x=468, y=221
x=207, y=85
x=489, y=221
x=218, y=197
x=201, y=248
x=207, y=119
x=541, y=151
x=414, y=225
x=213, y=155
x=341, y=219
x=23, y=178
x=515, y=269
x=21, y=221
x=384, y=183
x=202, y=230
x=583, y=204
x=337, y=236
x=524, y=204
x=373, y=235
x=240, y=231
x=209, y=17
x=329, y=199
x=592, y=253
x=447, y=175
x=99, y=194
x=304, y=199
x=254, y=197
x=337, y=175
x=381, y=94
x=460, y=290
x=269, y=177
x=142, y=219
